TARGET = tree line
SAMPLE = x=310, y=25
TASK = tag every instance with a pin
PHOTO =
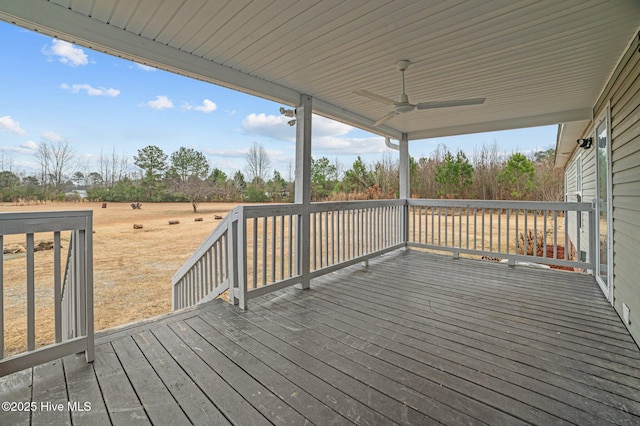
x=186, y=175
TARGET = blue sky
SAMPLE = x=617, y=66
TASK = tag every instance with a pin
x=51, y=90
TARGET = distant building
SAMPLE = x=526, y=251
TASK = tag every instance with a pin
x=81, y=193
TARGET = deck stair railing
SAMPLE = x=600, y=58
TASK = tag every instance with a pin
x=72, y=288
x=258, y=249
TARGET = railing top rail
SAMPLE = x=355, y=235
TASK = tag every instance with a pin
x=263, y=210
x=499, y=204
x=220, y=229
x=349, y=205
x=47, y=221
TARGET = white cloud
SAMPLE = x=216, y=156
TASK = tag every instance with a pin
x=206, y=107
x=27, y=148
x=329, y=137
x=271, y=126
x=277, y=127
x=350, y=146
x=66, y=53
x=10, y=125
x=51, y=136
x=30, y=145
x=239, y=153
x=161, y=102
x=146, y=67
x=325, y=127
x=227, y=153
x=90, y=90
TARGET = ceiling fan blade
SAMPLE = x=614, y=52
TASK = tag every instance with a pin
x=452, y=103
x=374, y=96
x=387, y=117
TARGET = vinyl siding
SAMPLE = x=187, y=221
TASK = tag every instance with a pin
x=623, y=94
x=587, y=194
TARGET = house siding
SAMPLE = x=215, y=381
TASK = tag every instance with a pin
x=622, y=95
x=624, y=99
x=587, y=194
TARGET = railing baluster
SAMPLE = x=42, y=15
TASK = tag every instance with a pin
x=255, y=253
x=439, y=226
x=555, y=234
x=526, y=231
x=508, y=228
x=291, y=237
x=578, y=247
x=446, y=226
x=499, y=230
x=265, y=246
x=460, y=227
x=333, y=239
x=467, y=212
x=475, y=228
x=282, y=247
x=483, y=229
x=432, y=225
x=273, y=249
x=31, y=336
x=517, y=233
x=535, y=232
x=491, y=230
x=57, y=288
x=544, y=234
x=566, y=234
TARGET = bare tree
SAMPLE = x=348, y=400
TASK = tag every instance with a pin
x=112, y=168
x=57, y=164
x=488, y=163
x=258, y=165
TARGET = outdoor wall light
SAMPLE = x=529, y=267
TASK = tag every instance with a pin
x=288, y=112
x=585, y=143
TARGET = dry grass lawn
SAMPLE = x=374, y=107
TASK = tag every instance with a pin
x=132, y=268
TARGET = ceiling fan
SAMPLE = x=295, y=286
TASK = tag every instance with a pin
x=403, y=105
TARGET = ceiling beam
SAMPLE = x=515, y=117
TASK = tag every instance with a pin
x=507, y=124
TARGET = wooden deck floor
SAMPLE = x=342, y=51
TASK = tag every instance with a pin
x=415, y=339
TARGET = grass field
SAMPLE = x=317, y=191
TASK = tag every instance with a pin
x=132, y=268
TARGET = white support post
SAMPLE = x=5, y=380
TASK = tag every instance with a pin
x=303, y=186
x=405, y=187
x=405, y=190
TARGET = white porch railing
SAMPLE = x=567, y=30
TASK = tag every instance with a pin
x=257, y=249
x=513, y=230
x=72, y=289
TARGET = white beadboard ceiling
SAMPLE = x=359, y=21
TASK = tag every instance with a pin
x=537, y=62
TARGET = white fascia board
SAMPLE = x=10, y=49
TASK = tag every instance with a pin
x=59, y=22
x=568, y=134
x=508, y=124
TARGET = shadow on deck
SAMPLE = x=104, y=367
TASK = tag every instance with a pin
x=415, y=339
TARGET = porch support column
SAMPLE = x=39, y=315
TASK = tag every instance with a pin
x=405, y=188
x=303, y=186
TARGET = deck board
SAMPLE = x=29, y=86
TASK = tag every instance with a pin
x=413, y=339
x=50, y=394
